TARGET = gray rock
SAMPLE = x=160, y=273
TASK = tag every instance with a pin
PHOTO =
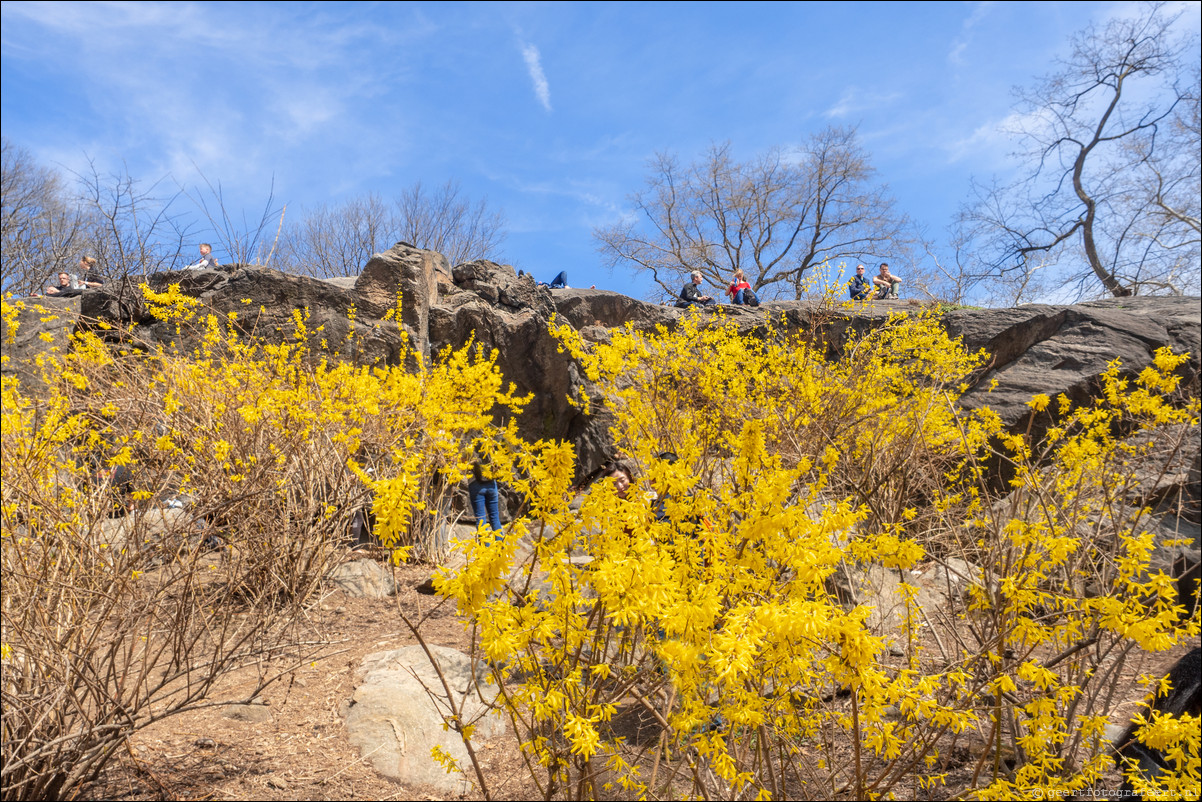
x=951, y=576
x=155, y=526
x=364, y=578
x=253, y=714
x=584, y=308
x=1065, y=350
x=43, y=325
x=879, y=588
x=528, y=355
x=263, y=301
x=342, y=282
x=412, y=272
x=501, y=286
x=398, y=709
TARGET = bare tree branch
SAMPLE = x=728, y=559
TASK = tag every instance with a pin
x=776, y=217
x=1109, y=195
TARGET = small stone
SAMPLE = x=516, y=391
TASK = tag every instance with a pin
x=1112, y=732
x=255, y=714
x=205, y=743
x=364, y=578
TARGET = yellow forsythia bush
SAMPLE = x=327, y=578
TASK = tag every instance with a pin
x=685, y=638
x=167, y=515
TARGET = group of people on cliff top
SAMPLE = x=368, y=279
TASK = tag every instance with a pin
x=886, y=284
x=741, y=293
x=70, y=286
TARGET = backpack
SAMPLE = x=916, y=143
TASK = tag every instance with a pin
x=750, y=298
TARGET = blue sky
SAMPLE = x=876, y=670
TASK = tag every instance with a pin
x=550, y=111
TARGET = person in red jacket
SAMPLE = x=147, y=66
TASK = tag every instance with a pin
x=738, y=288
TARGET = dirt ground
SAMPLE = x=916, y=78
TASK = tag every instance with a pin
x=301, y=750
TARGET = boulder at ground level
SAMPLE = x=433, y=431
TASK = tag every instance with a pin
x=394, y=722
x=364, y=578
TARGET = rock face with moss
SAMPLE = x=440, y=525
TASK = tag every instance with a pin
x=1050, y=349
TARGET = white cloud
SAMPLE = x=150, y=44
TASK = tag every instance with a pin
x=535, y=68
x=994, y=142
x=956, y=54
x=853, y=100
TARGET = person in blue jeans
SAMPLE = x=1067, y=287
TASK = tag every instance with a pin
x=485, y=498
x=859, y=287
x=560, y=282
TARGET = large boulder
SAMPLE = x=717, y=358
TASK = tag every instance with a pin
x=501, y=287
x=1065, y=350
x=412, y=273
x=264, y=303
x=583, y=308
x=396, y=715
x=528, y=355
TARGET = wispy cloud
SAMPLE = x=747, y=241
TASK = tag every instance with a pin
x=961, y=42
x=534, y=66
x=992, y=144
x=853, y=100
x=200, y=86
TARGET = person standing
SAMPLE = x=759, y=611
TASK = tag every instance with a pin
x=485, y=498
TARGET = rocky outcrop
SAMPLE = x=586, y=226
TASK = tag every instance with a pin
x=1065, y=349
x=42, y=325
x=409, y=276
x=1032, y=349
x=584, y=308
x=508, y=314
x=265, y=303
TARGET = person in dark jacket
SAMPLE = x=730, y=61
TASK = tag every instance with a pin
x=690, y=294
x=67, y=287
x=859, y=287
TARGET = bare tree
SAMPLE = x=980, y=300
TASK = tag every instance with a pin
x=776, y=217
x=130, y=227
x=444, y=221
x=338, y=240
x=40, y=225
x=245, y=242
x=1107, y=202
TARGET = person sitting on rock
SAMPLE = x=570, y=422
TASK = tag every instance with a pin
x=87, y=268
x=738, y=288
x=690, y=294
x=859, y=287
x=560, y=282
x=886, y=283
x=67, y=287
x=207, y=260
